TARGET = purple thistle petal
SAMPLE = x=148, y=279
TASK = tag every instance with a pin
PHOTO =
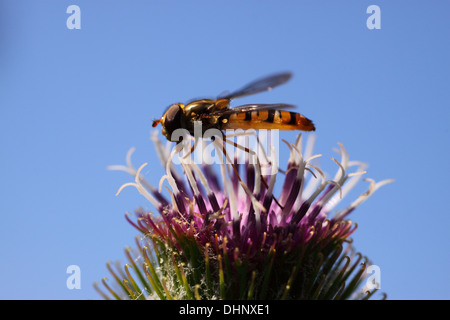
x=241, y=219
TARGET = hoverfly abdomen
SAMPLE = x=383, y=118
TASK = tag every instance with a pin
x=297, y=120
x=269, y=119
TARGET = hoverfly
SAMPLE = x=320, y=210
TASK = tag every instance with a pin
x=219, y=115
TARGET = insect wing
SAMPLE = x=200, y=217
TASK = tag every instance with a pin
x=260, y=85
x=259, y=107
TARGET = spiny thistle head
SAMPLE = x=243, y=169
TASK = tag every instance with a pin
x=228, y=236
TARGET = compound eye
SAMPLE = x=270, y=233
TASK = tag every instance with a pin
x=173, y=112
x=172, y=119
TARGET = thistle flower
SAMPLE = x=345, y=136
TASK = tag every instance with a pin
x=227, y=236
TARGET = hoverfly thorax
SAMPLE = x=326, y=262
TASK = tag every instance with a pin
x=197, y=108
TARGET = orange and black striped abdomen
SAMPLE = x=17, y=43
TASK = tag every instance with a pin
x=268, y=119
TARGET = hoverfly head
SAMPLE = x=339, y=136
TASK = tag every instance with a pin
x=171, y=120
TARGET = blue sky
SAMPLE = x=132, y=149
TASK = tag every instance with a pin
x=74, y=101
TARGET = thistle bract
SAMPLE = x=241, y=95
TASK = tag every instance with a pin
x=222, y=232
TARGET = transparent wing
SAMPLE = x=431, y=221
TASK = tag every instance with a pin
x=260, y=85
x=252, y=107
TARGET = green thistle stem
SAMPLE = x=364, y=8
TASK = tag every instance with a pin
x=267, y=274
x=137, y=270
x=288, y=285
x=157, y=286
x=110, y=290
x=221, y=279
x=108, y=266
x=128, y=289
x=134, y=286
x=337, y=283
x=179, y=279
x=152, y=281
x=167, y=292
x=208, y=270
x=354, y=283
x=252, y=286
x=185, y=282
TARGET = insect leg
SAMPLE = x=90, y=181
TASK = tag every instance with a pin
x=196, y=139
x=257, y=159
x=253, y=133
